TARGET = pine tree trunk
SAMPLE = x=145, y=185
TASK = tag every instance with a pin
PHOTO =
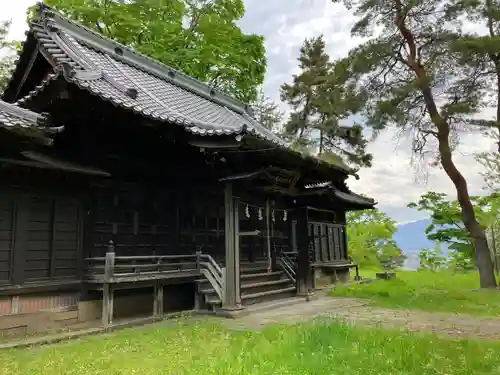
x=483, y=256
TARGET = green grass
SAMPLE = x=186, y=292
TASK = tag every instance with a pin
x=432, y=291
x=207, y=348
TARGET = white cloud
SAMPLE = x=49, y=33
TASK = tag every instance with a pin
x=16, y=12
x=285, y=24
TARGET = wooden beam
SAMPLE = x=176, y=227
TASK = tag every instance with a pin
x=304, y=269
x=250, y=233
x=232, y=299
x=63, y=165
x=27, y=71
x=20, y=239
x=268, y=233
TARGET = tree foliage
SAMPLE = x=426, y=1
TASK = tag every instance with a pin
x=198, y=37
x=480, y=52
x=268, y=112
x=415, y=80
x=431, y=260
x=7, y=55
x=447, y=224
x=321, y=100
x=370, y=241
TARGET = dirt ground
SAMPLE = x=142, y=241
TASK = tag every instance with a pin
x=359, y=312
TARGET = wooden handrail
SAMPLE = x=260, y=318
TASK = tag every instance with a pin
x=144, y=257
x=287, y=265
x=213, y=273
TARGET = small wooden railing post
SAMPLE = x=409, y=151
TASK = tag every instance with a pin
x=107, y=288
x=223, y=283
x=198, y=261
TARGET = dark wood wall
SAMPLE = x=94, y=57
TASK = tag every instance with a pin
x=40, y=231
x=326, y=229
x=144, y=220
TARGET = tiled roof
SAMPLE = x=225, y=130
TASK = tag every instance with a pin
x=130, y=80
x=354, y=198
x=25, y=122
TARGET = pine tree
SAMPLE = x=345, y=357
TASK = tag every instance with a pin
x=480, y=52
x=321, y=101
x=300, y=95
x=415, y=80
x=335, y=101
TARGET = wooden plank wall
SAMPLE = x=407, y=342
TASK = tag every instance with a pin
x=141, y=221
x=7, y=209
x=327, y=231
x=39, y=237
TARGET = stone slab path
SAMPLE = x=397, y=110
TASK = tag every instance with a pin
x=360, y=312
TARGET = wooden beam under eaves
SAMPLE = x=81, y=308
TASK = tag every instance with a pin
x=215, y=144
x=27, y=71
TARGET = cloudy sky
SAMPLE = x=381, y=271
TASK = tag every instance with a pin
x=285, y=24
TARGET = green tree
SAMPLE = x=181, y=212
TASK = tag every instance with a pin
x=321, y=100
x=432, y=260
x=7, y=55
x=370, y=242
x=198, y=37
x=480, y=52
x=415, y=81
x=447, y=221
x=268, y=113
x=314, y=64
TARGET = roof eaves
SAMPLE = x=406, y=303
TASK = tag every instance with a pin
x=128, y=55
x=26, y=122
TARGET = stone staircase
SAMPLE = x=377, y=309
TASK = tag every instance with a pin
x=256, y=286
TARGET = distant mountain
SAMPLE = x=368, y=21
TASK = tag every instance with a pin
x=411, y=238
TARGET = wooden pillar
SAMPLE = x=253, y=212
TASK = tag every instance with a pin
x=304, y=270
x=232, y=298
x=107, y=287
x=20, y=233
x=269, y=248
x=158, y=301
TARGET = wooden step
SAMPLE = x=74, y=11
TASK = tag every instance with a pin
x=266, y=283
x=260, y=274
x=266, y=296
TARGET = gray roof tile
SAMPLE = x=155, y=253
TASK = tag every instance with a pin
x=128, y=79
x=25, y=122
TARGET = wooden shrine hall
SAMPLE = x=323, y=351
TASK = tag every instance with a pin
x=125, y=181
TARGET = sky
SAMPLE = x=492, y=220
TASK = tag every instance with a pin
x=391, y=181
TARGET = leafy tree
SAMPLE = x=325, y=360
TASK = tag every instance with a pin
x=321, y=99
x=198, y=37
x=370, y=242
x=447, y=222
x=268, y=113
x=415, y=81
x=460, y=262
x=7, y=55
x=432, y=260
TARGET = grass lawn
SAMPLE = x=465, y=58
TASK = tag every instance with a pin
x=207, y=348
x=433, y=291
